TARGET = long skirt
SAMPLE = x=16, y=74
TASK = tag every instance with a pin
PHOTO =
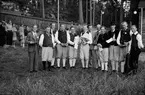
x=2, y=40
x=9, y=37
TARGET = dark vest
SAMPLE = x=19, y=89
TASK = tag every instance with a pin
x=47, y=42
x=72, y=37
x=62, y=36
x=134, y=44
x=125, y=36
x=102, y=40
x=111, y=34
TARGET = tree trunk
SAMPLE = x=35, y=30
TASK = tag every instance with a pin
x=121, y=13
x=94, y=13
x=86, y=11
x=42, y=8
x=81, y=19
x=90, y=12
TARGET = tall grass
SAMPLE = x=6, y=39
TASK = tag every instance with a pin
x=16, y=80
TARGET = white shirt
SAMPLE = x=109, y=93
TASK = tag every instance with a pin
x=9, y=27
x=139, y=40
x=42, y=38
x=88, y=36
x=75, y=43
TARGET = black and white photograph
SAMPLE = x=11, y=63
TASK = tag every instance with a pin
x=72, y=47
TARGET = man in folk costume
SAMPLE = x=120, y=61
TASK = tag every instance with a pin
x=53, y=31
x=47, y=43
x=135, y=49
x=93, y=48
x=103, y=49
x=62, y=45
x=113, y=48
x=123, y=40
x=32, y=41
x=86, y=39
x=98, y=32
x=73, y=41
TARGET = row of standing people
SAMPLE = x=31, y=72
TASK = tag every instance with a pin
x=99, y=46
x=11, y=33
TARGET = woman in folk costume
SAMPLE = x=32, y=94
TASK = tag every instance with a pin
x=9, y=33
x=135, y=47
x=103, y=48
x=73, y=41
x=22, y=36
x=2, y=34
x=47, y=43
x=85, y=39
x=53, y=31
x=14, y=35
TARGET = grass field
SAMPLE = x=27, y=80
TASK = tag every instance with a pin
x=16, y=80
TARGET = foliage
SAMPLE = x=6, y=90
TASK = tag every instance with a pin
x=15, y=79
x=69, y=10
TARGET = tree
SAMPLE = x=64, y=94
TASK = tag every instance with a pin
x=81, y=18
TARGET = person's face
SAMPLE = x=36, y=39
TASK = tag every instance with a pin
x=98, y=27
x=85, y=28
x=35, y=28
x=124, y=25
x=10, y=22
x=112, y=28
x=90, y=27
x=53, y=26
x=72, y=30
x=14, y=25
x=134, y=29
x=103, y=30
x=62, y=27
x=48, y=30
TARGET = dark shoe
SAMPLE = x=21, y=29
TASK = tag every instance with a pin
x=99, y=68
x=49, y=65
x=44, y=65
x=31, y=71
x=73, y=67
x=58, y=67
x=84, y=68
x=52, y=67
x=103, y=71
x=64, y=67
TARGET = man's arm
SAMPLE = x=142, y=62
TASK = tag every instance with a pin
x=118, y=38
x=90, y=39
x=56, y=38
x=41, y=40
x=68, y=39
x=140, y=43
x=28, y=38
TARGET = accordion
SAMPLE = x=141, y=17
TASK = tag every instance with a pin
x=84, y=40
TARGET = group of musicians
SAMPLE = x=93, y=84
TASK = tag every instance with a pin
x=95, y=46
